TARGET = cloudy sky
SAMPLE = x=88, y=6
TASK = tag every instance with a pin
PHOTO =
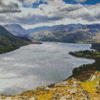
x=36, y=13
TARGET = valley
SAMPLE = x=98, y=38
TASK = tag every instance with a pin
x=71, y=33
x=9, y=42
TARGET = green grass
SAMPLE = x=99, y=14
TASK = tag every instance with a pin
x=90, y=54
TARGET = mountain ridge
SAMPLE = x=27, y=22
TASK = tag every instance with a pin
x=16, y=29
x=83, y=34
x=9, y=42
x=35, y=33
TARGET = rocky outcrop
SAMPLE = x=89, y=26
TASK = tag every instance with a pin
x=17, y=98
x=45, y=88
x=64, y=83
x=98, y=87
x=71, y=89
x=94, y=76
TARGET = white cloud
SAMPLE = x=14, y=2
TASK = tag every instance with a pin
x=9, y=6
x=55, y=13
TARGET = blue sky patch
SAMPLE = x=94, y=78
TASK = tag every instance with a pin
x=89, y=2
x=34, y=5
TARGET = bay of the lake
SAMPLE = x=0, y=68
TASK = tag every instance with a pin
x=36, y=65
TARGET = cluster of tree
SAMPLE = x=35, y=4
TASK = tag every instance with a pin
x=96, y=46
x=86, y=54
x=83, y=52
x=94, y=66
x=7, y=48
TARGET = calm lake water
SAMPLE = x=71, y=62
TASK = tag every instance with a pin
x=36, y=65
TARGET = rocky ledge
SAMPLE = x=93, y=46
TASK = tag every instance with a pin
x=70, y=89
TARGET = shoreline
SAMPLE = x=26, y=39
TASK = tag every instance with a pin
x=33, y=42
x=84, y=72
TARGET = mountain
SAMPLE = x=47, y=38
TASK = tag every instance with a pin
x=40, y=32
x=83, y=34
x=54, y=28
x=37, y=35
x=38, y=29
x=10, y=42
x=67, y=28
x=16, y=29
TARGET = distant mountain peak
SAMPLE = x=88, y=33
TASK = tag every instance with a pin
x=16, y=29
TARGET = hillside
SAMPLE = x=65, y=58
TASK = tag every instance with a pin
x=16, y=29
x=37, y=35
x=77, y=36
x=38, y=29
x=54, y=28
x=83, y=34
x=40, y=32
x=10, y=42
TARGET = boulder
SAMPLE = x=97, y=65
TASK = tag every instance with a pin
x=96, y=72
x=32, y=98
x=8, y=98
x=93, y=77
x=46, y=88
x=41, y=88
x=1, y=98
x=74, y=79
x=73, y=91
x=57, y=96
x=82, y=99
x=64, y=83
x=63, y=98
x=75, y=84
x=21, y=98
x=74, y=99
x=98, y=87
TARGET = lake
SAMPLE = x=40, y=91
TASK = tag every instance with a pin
x=36, y=65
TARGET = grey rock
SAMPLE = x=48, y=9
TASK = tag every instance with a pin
x=62, y=98
x=68, y=97
x=65, y=83
x=32, y=98
x=41, y=88
x=93, y=77
x=57, y=96
x=73, y=91
x=97, y=72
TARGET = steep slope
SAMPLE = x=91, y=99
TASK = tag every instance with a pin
x=37, y=35
x=40, y=32
x=10, y=42
x=38, y=29
x=54, y=28
x=16, y=29
x=69, y=37
x=85, y=34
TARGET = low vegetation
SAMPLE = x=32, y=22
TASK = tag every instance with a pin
x=84, y=72
x=69, y=37
x=9, y=42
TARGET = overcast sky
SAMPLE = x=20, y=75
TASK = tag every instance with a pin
x=36, y=13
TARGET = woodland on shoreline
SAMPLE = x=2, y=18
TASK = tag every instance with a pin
x=84, y=72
